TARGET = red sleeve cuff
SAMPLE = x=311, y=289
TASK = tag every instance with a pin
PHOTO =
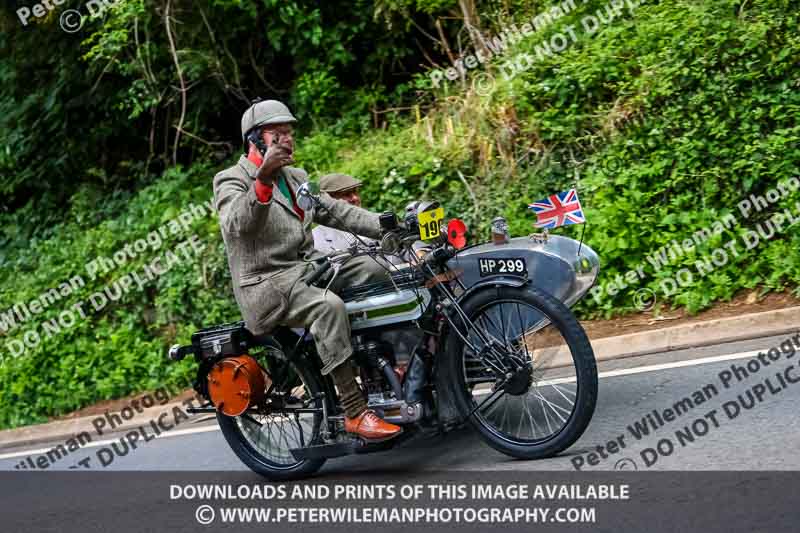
x=263, y=192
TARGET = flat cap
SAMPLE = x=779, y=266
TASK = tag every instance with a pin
x=337, y=183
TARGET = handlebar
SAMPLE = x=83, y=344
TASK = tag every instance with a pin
x=178, y=352
x=440, y=255
x=390, y=225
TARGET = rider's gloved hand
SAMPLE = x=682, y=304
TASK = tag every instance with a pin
x=389, y=222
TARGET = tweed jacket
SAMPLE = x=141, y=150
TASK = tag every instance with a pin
x=269, y=247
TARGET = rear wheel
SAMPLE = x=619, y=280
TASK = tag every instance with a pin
x=524, y=373
x=262, y=438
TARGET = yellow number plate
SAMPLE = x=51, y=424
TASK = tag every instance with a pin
x=430, y=223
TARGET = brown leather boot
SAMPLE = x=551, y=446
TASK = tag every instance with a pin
x=371, y=427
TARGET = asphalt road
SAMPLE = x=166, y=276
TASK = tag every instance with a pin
x=763, y=437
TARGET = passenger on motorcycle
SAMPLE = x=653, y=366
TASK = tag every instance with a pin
x=339, y=187
x=327, y=239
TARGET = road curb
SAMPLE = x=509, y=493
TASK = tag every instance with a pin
x=694, y=335
x=697, y=334
x=61, y=431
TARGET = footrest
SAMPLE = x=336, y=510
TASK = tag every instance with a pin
x=326, y=451
x=351, y=447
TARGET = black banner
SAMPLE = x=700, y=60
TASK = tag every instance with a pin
x=431, y=501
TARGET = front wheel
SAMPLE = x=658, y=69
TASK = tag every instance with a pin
x=523, y=371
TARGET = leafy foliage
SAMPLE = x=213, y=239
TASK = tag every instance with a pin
x=146, y=84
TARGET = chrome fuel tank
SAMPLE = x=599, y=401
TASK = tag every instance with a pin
x=553, y=265
x=400, y=306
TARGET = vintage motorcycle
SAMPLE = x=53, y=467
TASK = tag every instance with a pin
x=485, y=333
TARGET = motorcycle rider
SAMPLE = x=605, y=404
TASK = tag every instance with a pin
x=270, y=248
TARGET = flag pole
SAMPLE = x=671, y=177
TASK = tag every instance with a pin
x=585, y=220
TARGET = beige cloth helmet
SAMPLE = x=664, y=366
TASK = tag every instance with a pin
x=263, y=113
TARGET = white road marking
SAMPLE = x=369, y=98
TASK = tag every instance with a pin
x=678, y=364
x=608, y=374
x=662, y=366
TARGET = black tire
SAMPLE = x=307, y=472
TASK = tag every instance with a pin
x=575, y=338
x=255, y=459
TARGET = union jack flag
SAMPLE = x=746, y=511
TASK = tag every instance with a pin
x=557, y=210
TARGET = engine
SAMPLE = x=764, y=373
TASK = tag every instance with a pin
x=373, y=355
x=388, y=387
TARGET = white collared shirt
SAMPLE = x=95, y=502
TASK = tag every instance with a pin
x=328, y=240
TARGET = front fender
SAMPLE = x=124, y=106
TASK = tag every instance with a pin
x=494, y=281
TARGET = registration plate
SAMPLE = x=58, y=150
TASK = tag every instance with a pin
x=502, y=265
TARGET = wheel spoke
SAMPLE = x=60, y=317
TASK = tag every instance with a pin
x=558, y=390
x=546, y=418
x=493, y=397
x=251, y=419
x=534, y=428
x=555, y=408
x=487, y=318
x=521, y=419
x=505, y=411
x=522, y=334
